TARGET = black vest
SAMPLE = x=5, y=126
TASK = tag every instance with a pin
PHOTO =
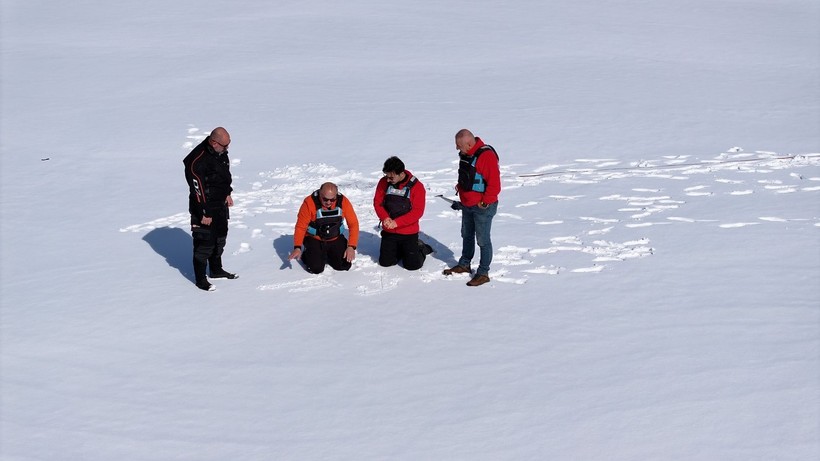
x=397, y=200
x=468, y=178
x=328, y=224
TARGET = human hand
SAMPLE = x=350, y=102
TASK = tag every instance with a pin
x=229, y=201
x=350, y=254
x=206, y=220
x=389, y=223
x=456, y=205
x=295, y=253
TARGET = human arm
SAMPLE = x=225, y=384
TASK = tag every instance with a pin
x=487, y=165
x=303, y=218
x=378, y=205
x=196, y=187
x=352, y=224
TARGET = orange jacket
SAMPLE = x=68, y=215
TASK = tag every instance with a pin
x=307, y=213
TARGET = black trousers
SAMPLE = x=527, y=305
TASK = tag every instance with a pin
x=209, y=244
x=397, y=247
x=317, y=253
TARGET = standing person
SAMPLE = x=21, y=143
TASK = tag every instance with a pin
x=208, y=173
x=479, y=183
x=320, y=226
x=399, y=202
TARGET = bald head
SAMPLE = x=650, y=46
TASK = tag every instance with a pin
x=463, y=133
x=327, y=189
x=465, y=140
x=327, y=194
x=220, y=139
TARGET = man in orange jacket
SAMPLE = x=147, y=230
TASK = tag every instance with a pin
x=320, y=227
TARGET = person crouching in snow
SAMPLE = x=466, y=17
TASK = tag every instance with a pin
x=399, y=202
x=320, y=227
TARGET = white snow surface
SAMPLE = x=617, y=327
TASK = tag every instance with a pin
x=654, y=290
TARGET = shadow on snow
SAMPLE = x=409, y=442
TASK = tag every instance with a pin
x=175, y=245
x=369, y=246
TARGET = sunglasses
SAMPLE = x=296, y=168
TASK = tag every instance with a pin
x=224, y=146
x=329, y=200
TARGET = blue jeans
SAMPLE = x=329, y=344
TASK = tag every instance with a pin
x=475, y=227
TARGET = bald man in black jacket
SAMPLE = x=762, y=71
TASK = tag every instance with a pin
x=208, y=174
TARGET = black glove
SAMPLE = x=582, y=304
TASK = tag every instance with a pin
x=456, y=206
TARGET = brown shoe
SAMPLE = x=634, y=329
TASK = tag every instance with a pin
x=478, y=280
x=456, y=270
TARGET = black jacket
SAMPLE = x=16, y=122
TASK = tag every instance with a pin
x=208, y=175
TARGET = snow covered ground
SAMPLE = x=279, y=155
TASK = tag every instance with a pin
x=654, y=290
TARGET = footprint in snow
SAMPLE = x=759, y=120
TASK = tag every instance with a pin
x=737, y=225
x=311, y=283
x=595, y=268
x=380, y=282
x=503, y=277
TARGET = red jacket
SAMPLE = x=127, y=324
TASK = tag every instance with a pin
x=407, y=223
x=487, y=166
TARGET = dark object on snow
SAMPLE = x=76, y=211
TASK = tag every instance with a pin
x=454, y=204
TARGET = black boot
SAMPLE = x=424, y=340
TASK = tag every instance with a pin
x=199, y=274
x=215, y=261
x=223, y=274
x=217, y=272
x=205, y=285
x=425, y=248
